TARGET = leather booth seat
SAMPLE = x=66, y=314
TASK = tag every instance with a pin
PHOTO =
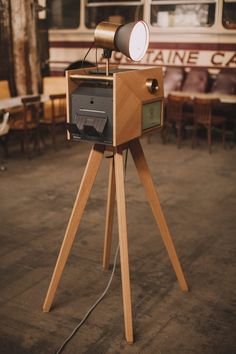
x=196, y=80
x=173, y=79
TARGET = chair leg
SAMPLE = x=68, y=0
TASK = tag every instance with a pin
x=41, y=137
x=67, y=141
x=165, y=133
x=53, y=136
x=223, y=135
x=37, y=140
x=194, y=137
x=26, y=143
x=209, y=138
x=22, y=145
x=3, y=141
x=179, y=135
x=5, y=145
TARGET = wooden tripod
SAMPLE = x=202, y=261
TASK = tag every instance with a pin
x=115, y=188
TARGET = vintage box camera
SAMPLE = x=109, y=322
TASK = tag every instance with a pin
x=113, y=109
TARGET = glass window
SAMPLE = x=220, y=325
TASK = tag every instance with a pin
x=229, y=14
x=112, y=11
x=180, y=14
x=63, y=13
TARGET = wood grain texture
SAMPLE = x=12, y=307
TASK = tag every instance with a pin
x=130, y=93
x=87, y=182
x=124, y=258
x=145, y=177
x=126, y=113
x=109, y=215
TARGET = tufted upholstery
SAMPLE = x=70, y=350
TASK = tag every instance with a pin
x=196, y=80
x=173, y=79
x=225, y=83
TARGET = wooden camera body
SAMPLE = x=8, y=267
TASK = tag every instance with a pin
x=113, y=109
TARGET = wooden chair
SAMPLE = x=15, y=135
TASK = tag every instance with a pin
x=203, y=116
x=175, y=117
x=54, y=84
x=225, y=83
x=4, y=89
x=4, y=129
x=27, y=125
x=55, y=108
x=55, y=115
x=6, y=93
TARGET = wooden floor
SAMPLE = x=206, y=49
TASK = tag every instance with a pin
x=198, y=195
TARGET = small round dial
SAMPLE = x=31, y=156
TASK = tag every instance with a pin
x=152, y=85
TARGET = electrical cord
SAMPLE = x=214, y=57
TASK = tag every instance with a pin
x=92, y=307
x=96, y=58
x=82, y=64
x=62, y=347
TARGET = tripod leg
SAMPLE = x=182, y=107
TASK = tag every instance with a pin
x=146, y=179
x=80, y=203
x=109, y=215
x=124, y=258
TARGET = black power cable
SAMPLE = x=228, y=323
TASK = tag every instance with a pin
x=82, y=64
x=62, y=347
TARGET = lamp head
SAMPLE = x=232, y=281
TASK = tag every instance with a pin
x=131, y=39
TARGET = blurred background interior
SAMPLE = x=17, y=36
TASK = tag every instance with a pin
x=194, y=43
x=192, y=158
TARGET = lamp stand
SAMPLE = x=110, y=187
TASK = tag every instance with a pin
x=115, y=188
x=107, y=55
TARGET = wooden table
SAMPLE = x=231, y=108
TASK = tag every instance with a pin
x=223, y=98
x=15, y=102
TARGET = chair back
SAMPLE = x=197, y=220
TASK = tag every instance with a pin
x=54, y=85
x=202, y=111
x=31, y=107
x=174, y=107
x=4, y=126
x=58, y=107
x=4, y=89
x=196, y=80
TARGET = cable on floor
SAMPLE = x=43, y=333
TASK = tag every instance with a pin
x=93, y=307
x=62, y=347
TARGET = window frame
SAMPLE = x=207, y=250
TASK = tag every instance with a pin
x=192, y=29
x=223, y=25
x=100, y=4
x=67, y=28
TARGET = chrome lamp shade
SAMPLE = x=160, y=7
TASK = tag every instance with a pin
x=131, y=39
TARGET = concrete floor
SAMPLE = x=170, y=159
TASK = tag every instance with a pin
x=198, y=196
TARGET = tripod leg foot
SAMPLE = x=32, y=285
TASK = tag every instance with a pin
x=146, y=179
x=87, y=182
x=122, y=227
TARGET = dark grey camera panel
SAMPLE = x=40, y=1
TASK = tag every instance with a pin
x=92, y=113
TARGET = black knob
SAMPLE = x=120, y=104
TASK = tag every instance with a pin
x=152, y=85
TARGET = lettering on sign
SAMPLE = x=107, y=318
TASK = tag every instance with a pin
x=182, y=58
